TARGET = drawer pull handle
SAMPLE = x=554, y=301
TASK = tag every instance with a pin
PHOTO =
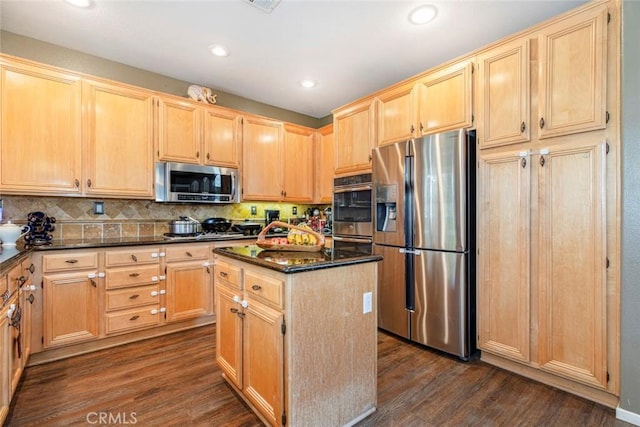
x=134, y=274
x=71, y=261
x=189, y=254
x=31, y=268
x=134, y=258
x=208, y=271
x=134, y=296
x=31, y=298
x=234, y=310
x=134, y=317
x=256, y=287
x=223, y=274
x=93, y=283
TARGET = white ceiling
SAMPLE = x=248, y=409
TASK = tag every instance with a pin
x=351, y=47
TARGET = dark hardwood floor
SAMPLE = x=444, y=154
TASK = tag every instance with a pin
x=174, y=381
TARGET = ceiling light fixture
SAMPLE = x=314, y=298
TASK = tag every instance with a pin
x=307, y=83
x=218, y=50
x=264, y=5
x=79, y=3
x=422, y=14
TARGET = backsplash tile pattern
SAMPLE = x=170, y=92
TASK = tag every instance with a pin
x=130, y=218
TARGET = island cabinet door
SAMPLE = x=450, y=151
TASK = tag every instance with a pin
x=228, y=334
x=263, y=357
x=188, y=290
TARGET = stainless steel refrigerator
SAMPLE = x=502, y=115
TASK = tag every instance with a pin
x=424, y=228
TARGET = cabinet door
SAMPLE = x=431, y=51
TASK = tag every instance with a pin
x=70, y=309
x=353, y=130
x=503, y=87
x=119, y=141
x=40, y=145
x=298, y=171
x=179, y=130
x=16, y=356
x=324, y=165
x=222, y=136
x=572, y=281
x=396, y=118
x=503, y=254
x=573, y=76
x=188, y=290
x=263, y=359
x=262, y=159
x=228, y=334
x=5, y=390
x=26, y=303
x=445, y=99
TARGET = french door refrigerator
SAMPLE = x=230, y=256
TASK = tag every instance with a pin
x=424, y=228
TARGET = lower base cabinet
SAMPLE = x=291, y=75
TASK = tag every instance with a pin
x=281, y=341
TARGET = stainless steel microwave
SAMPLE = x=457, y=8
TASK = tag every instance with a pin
x=186, y=183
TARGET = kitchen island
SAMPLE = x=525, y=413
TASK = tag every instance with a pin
x=296, y=333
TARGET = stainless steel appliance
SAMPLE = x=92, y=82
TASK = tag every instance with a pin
x=352, y=211
x=187, y=183
x=424, y=229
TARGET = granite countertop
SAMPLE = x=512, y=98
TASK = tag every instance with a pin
x=295, y=262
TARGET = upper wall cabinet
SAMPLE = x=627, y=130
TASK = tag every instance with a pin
x=354, y=133
x=262, y=159
x=195, y=133
x=572, y=80
x=40, y=142
x=445, y=99
x=503, y=89
x=397, y=118
x=324, y=165
x=298, y=172
x=118, y=129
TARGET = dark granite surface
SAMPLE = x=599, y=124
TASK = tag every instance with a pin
x=295, y=262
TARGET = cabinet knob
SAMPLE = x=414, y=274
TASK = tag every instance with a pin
x=523, y=127
x=77, y=183
x=189, y=254
x=523, y=162
x=197, y=154
x=134, y=296
x=208, y=156
x=134, y=258
x=71, y=261
x=541, y=122
x=411, y=129
x=31, y=268
x=134, y=274
x=89, y=183
x=256, y=287
x=134, y=317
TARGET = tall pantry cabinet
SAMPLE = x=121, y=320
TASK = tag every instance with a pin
x=546, y=182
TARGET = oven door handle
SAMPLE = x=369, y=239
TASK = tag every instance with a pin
x=352, y=239
x=352, y=189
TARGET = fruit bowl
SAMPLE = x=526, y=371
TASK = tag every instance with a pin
x=313, y=244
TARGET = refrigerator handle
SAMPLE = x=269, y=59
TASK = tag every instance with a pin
x=411, y=251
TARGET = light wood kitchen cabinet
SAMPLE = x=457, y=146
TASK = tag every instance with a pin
x=354, y=133
x=228, y=292
x=5, y=383
x=179, y=130
x=573, y=74
x=188, y=281
x=222, y=136
x=324, y=165
x=297, y=164
x=397, y=113
x=262, y=159
x=71, y=297
x=504, y=241
x=445, y=99
x=118, y=129
x=132, y=295
x=562, y=212
x=504, y=95
x=40, y=130
x=190, y=132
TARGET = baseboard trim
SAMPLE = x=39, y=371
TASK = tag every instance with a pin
x=628, y=416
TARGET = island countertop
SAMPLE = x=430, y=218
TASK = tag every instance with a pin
x=295, y=262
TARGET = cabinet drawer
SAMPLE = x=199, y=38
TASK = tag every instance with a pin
x=66, y=262
x=265, y=288
x=133, y=319
x=132, y=297
x=132, y=257
x=186, y=253
x=139, y=275
x=228, y=273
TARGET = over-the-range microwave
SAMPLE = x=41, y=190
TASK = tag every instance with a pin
x=187, y=183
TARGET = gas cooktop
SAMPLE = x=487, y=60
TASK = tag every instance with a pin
x=203, y=236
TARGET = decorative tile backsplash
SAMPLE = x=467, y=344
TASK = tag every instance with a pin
x=130, y=218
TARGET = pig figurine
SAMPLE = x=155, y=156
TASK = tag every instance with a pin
x=201, y=94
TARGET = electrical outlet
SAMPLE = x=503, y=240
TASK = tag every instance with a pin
x=98, y=208
x=367, y=302
x=254, y=210
x=294, y=211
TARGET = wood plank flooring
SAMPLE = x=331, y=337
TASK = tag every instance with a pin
x=174, y=381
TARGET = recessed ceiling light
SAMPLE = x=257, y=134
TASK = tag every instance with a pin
x=218, y=50
x=422, y=14
x=79, y=3
x=307, y=83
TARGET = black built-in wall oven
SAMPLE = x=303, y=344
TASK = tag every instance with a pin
x=353, y=213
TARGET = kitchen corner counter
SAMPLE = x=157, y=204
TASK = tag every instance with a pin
x=295, y=262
